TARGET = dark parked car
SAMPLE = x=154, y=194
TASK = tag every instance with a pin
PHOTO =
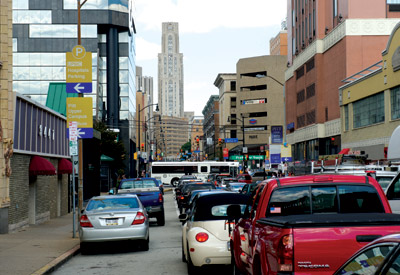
x=184, y=197
x=149, y=193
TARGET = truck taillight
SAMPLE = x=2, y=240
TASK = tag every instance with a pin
x=285, y=253
x=139, y=219
x=85, y=222
x=160, y=197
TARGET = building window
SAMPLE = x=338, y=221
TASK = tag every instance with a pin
x=233, y=85
x=300, y=72
x=310, y=117
x=369, y=111
x=311, y=91
x=233, y=102
x=301, y=121
x=334, y=8
x=310, y=65
x=259, y=114
x=346, y=117
x=233, y=119
x=253, y=88
x=395, y=102
x=233, y=134
x=300, y=96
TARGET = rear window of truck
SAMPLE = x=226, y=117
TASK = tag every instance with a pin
x=301, y=200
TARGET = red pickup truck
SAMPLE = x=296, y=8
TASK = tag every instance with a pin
x=309, y=224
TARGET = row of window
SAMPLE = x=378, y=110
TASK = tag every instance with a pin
x=309, y=66
x=371, y=110
x=305, y=29
x=306, y=119
x=310, y=90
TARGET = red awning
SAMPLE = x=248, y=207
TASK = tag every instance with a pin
x=41, y=166
x=344, y=151
x=64, y=166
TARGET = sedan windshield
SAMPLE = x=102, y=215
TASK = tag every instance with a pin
x=112, y=203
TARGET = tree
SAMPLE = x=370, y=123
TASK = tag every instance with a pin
x=186, y=147
x=111, y=146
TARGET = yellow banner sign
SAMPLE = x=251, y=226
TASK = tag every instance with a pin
x=80, y=109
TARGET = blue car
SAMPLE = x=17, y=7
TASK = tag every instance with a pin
x=149, y=193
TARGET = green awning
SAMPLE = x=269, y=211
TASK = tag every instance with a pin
x=106, y=158
x=57, y=97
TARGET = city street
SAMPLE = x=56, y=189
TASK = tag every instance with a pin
x=163, y=257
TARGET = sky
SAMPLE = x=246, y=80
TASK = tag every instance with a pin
x=213, y=36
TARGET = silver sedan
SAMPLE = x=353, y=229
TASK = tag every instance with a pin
x=114, y=218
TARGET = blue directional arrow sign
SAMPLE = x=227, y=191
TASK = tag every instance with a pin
x=287, y=159
x=79, y=87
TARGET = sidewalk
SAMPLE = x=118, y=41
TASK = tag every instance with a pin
x=38, y=249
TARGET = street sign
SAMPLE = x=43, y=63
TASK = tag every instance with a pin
x=276, y=134
x=275, y=158
x=245, y=150
x=73, y=148
x=287, y=159
x=73, y=131
x=231, y=140
x=79, y=70
x=79, y=110
x=225, y=153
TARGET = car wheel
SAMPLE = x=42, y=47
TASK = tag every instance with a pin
x=144, y=244
x=183, y=254
x=234, y=267
x=161, y=219
x=192, y=270
x=174, y=182
x=85, y=249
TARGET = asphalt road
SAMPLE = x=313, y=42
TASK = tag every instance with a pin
x=163, y=257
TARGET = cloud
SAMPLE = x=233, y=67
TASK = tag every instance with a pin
x=148, y=50
x=204, y=16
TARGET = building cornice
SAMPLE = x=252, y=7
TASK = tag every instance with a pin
x=350, y=27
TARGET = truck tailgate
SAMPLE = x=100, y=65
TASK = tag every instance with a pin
x=148, y=196
x=323, y=242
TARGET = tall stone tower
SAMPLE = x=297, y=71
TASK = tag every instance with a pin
x=170, y=72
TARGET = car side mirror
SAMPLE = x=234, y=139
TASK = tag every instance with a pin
x=234, y=212
x=183, y=217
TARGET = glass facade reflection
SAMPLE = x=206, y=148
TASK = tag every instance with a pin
x=62, y=31
x=31, y=17
x=40, y=41
x=116, y=5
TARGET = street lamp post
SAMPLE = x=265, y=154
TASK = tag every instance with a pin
x=243, y=140
x=138, y=144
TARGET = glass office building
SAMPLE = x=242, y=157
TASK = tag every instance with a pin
x=44, y=30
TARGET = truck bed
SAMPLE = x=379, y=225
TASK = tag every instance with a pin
x=323, y=242
x=332, y=220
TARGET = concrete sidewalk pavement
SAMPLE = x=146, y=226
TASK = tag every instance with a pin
x=38, y=249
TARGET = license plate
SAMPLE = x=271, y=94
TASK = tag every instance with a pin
x=111, y=221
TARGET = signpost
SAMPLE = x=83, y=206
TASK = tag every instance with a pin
x=231, y=140
x=79, y=70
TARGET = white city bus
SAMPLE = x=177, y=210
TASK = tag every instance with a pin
x=170, y=172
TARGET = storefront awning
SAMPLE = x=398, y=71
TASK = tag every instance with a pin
x=64, y=166
x=41, y=166
x=106, y=158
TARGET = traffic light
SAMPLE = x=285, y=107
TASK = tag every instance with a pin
x=220, y=141
x=142, y=146
x=197, y=141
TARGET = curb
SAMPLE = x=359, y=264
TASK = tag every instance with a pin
x=54, y=264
